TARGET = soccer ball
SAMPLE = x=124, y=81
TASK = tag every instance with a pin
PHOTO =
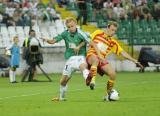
x=113, y=95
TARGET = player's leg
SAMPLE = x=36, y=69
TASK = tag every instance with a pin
x=79, y=63
x=14, y=74
x=67, y=71
x=63, y=86
x=93, y=61
x=84, y=70
x=11, y=74
x=107, y=69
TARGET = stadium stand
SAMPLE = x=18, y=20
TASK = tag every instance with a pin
x=136, y=29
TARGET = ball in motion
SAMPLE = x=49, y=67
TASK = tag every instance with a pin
x=113, y=95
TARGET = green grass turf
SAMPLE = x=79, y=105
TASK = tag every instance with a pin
x=139, y=96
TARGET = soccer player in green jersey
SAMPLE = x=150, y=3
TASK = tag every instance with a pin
x=75, y=43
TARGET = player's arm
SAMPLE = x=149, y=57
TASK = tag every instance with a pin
x=87, y=38
x=126, y=55
x=81, y=44
x=50, y=41
x=77, y=48
x=91, y=43
x=55, y=39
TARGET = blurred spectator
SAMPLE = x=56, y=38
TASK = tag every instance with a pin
x=108, y=10
x=116, y=1
x=49, y=15
x=145, y=11
x=26, y=16
x=26, y=4
x=119, y=11
x=5, y=18
x=127, y=4
x=52, y=4
x=97, y=8
x=17, y=17
x=82, y=6
x=25, y=12
x=62, y=2
x=10, y=9
x=110, y=14
x=108, y=4
x=40, y=5
x=156, y=10
x=136, y=13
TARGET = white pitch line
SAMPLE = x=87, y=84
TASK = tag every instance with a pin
x=23, y=95
x=33, y=94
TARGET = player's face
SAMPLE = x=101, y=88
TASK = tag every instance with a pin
x=32, y=34
x=71, y=26
x=16, y=40
x=112, y=30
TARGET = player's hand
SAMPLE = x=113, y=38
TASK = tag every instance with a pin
x=76, y=50
x=139, y=64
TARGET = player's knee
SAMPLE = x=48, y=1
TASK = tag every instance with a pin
x=95, y=62
x=63, y=81
x=83, y=66
x=112, y=75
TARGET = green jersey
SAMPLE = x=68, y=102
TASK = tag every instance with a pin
x=72, y=40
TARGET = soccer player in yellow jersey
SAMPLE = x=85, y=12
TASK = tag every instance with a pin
x=106, y=44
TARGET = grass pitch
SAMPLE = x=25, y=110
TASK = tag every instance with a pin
x=139, y=96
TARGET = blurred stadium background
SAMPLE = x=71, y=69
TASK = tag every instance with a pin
x=139, y=26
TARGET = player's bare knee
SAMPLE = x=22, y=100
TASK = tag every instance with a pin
x=95, y=62
x=83, y=66
x=63, y=82
x=112, y=75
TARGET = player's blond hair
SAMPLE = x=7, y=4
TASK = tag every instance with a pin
x=69, y=19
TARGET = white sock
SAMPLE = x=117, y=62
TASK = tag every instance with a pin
x=85, y=73
x=63, y=89
x=14, y=75
x=11, y=75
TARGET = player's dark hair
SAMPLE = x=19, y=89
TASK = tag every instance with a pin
x=30, y=31
x=112, y=23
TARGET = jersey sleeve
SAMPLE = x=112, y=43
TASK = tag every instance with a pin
x=60, y=37
x=117, y=49
x=84, y=36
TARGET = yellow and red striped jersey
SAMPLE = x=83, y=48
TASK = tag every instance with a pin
x=105, y=44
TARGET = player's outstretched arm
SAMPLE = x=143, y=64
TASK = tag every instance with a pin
x=50, y=41
x=126, y=55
